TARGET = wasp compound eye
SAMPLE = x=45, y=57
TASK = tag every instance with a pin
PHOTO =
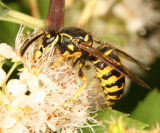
x=50, y=38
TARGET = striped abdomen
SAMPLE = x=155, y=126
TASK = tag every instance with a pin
x=111, y=81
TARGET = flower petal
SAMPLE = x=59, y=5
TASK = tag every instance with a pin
x=2, y=76
x=7, y=51
x=16, y=87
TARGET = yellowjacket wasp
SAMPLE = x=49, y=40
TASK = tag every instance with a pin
x=76, y=43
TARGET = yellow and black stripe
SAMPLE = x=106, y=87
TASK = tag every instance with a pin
x=111, y=81
x=76, y=44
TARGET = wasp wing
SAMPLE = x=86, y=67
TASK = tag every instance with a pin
x=131, y=59
x=123, y=54
x=113, y=63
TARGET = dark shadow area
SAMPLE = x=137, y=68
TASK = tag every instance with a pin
x=7, y=66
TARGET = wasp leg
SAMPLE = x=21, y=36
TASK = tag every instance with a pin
x=81, y=59
x=80, y=73
x=58, y=62
x=64, y=56
x=75, y=62
x=80, y=89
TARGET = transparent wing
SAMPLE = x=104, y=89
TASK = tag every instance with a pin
x=123, y=54
x=113, y=63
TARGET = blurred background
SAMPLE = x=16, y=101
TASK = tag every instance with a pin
x=133, y=26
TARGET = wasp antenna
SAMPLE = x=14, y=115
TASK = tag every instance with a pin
x=29, y=43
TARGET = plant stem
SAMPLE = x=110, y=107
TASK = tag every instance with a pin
x=8, y=75
x=21, y=18
x=11, y=70
x=34, y=8
x=55, y=19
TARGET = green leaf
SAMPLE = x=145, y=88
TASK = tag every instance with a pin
x=3, y=9
x=43, y=6
x=148, y=110
x=111, y=114
x=7, y=14
x=115, y=121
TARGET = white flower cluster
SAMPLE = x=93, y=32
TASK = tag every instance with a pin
x=136, y=14
x=43, y=109
x=141, y=21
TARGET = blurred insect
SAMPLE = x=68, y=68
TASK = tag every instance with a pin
x=76, y=43
x=147, y=32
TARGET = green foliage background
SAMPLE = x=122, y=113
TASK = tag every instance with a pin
x=140, y=103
